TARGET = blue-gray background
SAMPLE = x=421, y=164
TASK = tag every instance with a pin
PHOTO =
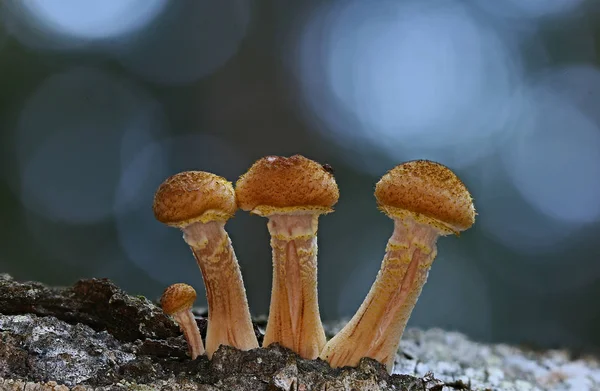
x=101, y=100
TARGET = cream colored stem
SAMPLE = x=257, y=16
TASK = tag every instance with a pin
x=294, y=320
x=229, y=321
x=188, y=325
x=375, y=330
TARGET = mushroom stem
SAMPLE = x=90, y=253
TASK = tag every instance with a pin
x=375, y=330
x=294, y=320
x=189, y=327
x=229, y=321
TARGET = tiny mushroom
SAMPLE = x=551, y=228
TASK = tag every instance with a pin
x=292, y=193
x=200, y=203
x=177, y=301
x=426, y=200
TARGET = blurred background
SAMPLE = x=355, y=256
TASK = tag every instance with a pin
x=101, y=100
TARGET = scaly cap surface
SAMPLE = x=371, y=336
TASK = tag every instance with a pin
x=276, y=184
x=192, y=196
x=177, y=297
x=428, y=191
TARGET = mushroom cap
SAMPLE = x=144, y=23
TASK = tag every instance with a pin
x=276, y=184
x=192, y=196
x=177, y=297
x=429, y=192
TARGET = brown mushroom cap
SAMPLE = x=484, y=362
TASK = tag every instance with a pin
x=193, y=196
x=429, y=192
x=276, y=184
x=178, y=297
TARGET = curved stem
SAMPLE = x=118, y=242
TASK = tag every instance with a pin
x=229, y=321
x=190, y=330
x=376, y=328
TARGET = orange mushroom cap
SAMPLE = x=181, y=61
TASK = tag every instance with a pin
x=177, y=297
x=428, y=191
x=277, y=184
x=192, y=196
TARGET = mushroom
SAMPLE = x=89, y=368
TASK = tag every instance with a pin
x=200, y=203
x=426, y=200
x=292, y=192
x=177, y=301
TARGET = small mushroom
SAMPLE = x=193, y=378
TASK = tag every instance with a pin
x=426, y=200
x=177, y=301
x=200, y=203
x=292, y=193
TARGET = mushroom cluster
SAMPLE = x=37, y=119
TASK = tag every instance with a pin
x=425, y=199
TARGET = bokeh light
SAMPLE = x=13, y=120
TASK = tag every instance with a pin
x=555, y=160
x=511, y=221
x=578, y=84
x=67, y=23
x=531, y=8
x=68, y=143
x=96, y=19
x=414, y=79
x=191, y=40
